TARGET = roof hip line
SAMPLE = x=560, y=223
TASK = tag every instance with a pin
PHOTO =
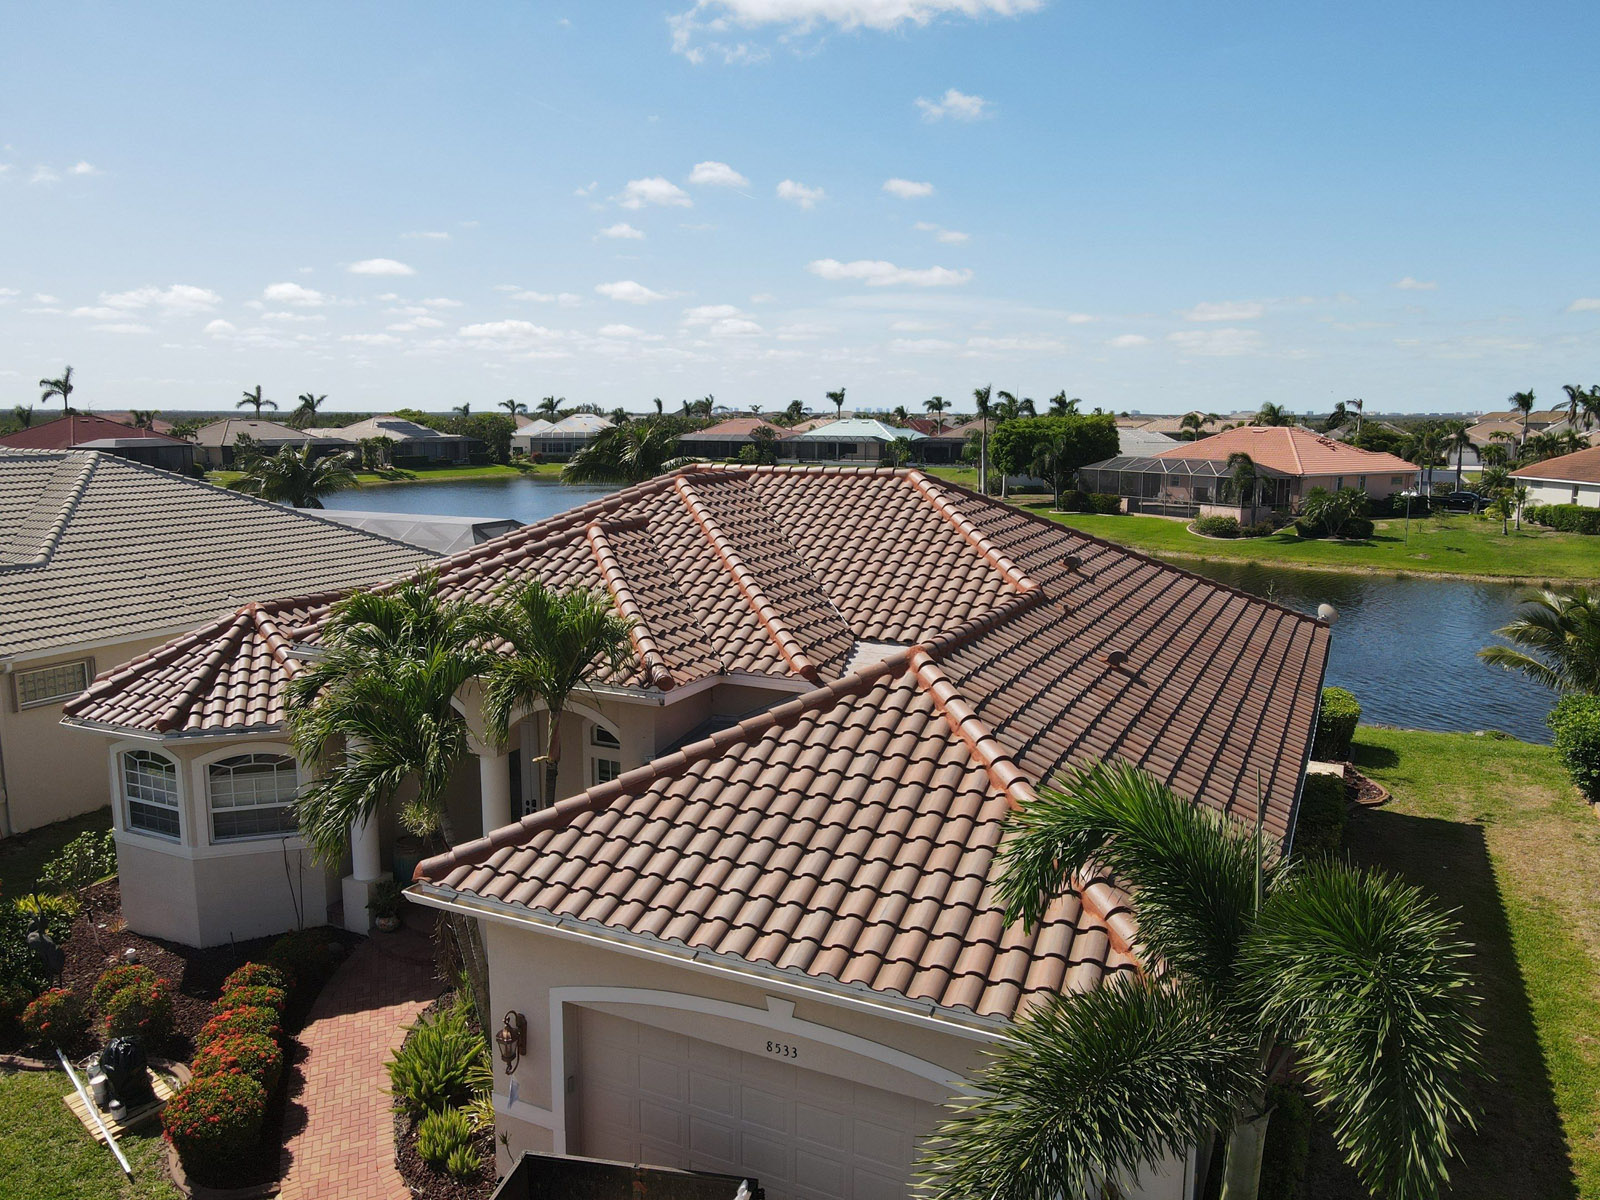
x=992, y=554
x=644, y=644
x=786, y=642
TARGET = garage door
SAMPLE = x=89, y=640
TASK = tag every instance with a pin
x=652, y=1096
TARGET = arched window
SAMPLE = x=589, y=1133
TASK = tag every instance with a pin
x=251, y=795
x=150, y=791
x=604, y=765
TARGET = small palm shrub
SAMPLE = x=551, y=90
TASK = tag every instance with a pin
x=1337, y=717
x=260, y=996
x=441, y=1064
x=56, y=1016
x=255, y=974
x=464, y=1162
x=250, y=1054
x=239, y=1020
x=1575, y=720
x=444, y=1135
x=113, y=981
x=213, y=1121
x=142, y=1009
x=57, y=909
x=1217, y=526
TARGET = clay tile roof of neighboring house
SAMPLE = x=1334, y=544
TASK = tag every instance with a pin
x=733, y=427
x=1580, y=467
x=66, y=432
x=94, y=547
x=1291, y=450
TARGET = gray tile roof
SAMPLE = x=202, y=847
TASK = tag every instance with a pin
x=94, y=547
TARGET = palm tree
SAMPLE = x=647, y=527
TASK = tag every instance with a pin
x=558, y=643
x=623, y=454
x=1336, y=418
x=292, y=476
x=58, y=387
x=1352, y=975
x=254, y=401
x=1274, y=414
x=937, y=407
x=1060, y=406
x=1520, y=496
x=1008, y=408
x=1193, y=425
x=550, y=408
x=1522, y=402
x=1054, y=462
x=619, y=415
x=1555, y=640
x=901, y=416
x=145, y=418
x=382, y=689
x=463, y=410
x=658, y=406
x=795, y=413
x=1457, y=439
x=1494, y=454
x=307, y=412
x=1243, y=481
x=980, y=397
x=514, y=408
x=1427, y=447
x=837, y=400
x=24, y=415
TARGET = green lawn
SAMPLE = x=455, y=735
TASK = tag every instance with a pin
x=1494, y=829
x=46, y=1155
x=432, y=475
x=1458, y=544
x=22, y=857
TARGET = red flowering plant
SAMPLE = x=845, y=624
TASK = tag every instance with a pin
x=113, y=981
x=142, y=1008
x=55, y=1016
x=213, y=1120
x=244, y=1019
x=258, y=996
x=255, y=974
x=251, y=1054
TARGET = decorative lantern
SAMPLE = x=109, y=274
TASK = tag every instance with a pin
x=512, y=1039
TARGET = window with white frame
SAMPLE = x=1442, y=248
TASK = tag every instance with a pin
x=252, y=795
x=47, y=685
x=150, y=792
x=603, y=768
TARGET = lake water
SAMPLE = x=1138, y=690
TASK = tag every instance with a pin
x=1406, y=647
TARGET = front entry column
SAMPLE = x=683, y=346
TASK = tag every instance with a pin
x=366, y=867
x=494, y=782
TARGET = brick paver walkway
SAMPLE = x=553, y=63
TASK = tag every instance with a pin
x=346, y=1147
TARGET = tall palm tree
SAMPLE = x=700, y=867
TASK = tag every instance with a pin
x=1494, y=454
x=1555, y=640
x=1336, y=418
x=1007, y=407
x=1457, y=439
x=1354, y=976
x=292, y=476
x=937, y=407
x=1194, y=424
x=1520, y=495
x=514, y=408
x=557, y=643
x=463, y=410
x=1243, y=479
x=255, y=402
x=1055, y=461
x=61, y=387
x=795, y=413
x=659, y=409
x=310, y=402
x=980, y=397
x=550, y=408
x=1523, y=402
x=624, y=454
x=901, y=416
x=145, y=418
x=1274, y=414
x=837, y=400
x=24, y=415
x=1061, y=406
x=619, y=415
x=1427, y=448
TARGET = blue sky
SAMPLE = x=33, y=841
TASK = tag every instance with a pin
x=1150, y=205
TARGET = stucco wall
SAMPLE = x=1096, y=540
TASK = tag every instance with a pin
x=1561, y=493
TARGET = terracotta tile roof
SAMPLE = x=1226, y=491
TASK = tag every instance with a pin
x=1580, y=467
x=733, y=428
x=66, y=432
x=1292, y=450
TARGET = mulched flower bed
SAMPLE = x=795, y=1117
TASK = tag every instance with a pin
x=1363, y=790
x=426, y=1183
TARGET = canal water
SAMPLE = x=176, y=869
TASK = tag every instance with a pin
x=1406, y=647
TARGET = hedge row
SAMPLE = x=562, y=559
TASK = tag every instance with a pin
x=1567, y=518
x=1337, y=717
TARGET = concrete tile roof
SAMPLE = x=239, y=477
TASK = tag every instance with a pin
x=734, y=427
x=229, y=429
x=66, y=432
x=94, y=547
x=858, y=429
x=1582, y=466
x=1291, y=450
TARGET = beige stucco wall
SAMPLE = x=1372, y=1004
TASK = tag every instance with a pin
x=1561, y=493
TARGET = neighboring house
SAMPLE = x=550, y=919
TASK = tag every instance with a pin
x=1174, y=427
x=529, y=432
x=854, y=439
x=437, y=534
x=757, y=930
x=1137, y=441
x=561, y=440
x=126, y=418
x=411, y=441
x=89, y=431
x=726, y=439
x=1538, y=420
x=1569, y=479
x=1192, y=478
x=102, y=560
x=216, y=441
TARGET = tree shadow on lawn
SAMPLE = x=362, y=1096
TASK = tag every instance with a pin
x=1519, y=1148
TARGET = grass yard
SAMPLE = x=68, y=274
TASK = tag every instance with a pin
x=1457, y=544
x=46, y=1155
x=432, y=475
x=1495, y=830
x=23, y=856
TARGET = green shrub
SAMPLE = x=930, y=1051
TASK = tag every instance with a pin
x=254, y=974
x=274, y=998
x=213, y=1121
x=464, y=1162
x=113, y=981
x=304, y=959
x=440, y=1065
x=1105, y=504
x=18, y=963
x=142, y=1009
x=14, y=998
x=259, y=1057
x=1566, y=518
x=58, y=909
x=1575, y=720
x=1288, y=1148
x=1261, y=529
x=56, y=1016
x=443, y=1135
x=1337, y=717
x=1217, y=526
x=87, y=858
x=1324, y=804
x=239, y=1020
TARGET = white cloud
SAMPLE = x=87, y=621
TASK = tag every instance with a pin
x=427, y=235
x=441, y=302
x=83, y=168
x=958, y=106
x=949, y=237
x=799, y=193
x=734, y=327
x=44, y=175
x=1585, y=304
x=1224, y=310
x=909, y=326
x=293, y=293
x=586, y=191
x=622, y=230
x=45, y=298
x=1217, y=343
x=655, y=190
x=124, y=327
x=620, y=331
x=792, y=18
x=1409, y=284
x=907, y=189
x=179, y=298
x=1127, y=341
x=629, y=292
x=920, y=345
x=877, y=273
x=220, y=328
x=704, y=314
x=509, y=334
x=98, y=312
x=371, y=339
x=1013, y=344
x=9, y=293
x=290, y=318
x=379, y=266
x=717, y=174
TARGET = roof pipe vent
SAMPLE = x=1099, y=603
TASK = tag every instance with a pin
x=1072, y=562
x=1115, y=658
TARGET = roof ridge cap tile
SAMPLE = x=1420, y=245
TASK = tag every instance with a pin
x=51, y=537
x=178, y=711
x=644, y=643
x=163, y=654
x=992, y=554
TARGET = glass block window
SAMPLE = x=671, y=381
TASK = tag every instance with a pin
x=45, y=685
x=252, y=796
x=150, y=790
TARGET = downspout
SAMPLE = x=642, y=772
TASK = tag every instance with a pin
x=5, y=795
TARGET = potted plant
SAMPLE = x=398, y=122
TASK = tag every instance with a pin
x=384, y=904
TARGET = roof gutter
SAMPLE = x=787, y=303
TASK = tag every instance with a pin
x=923, y=1013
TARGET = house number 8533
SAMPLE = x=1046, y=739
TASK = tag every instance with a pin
x=782, y=1050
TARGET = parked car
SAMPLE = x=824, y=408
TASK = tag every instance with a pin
x=1462, y=502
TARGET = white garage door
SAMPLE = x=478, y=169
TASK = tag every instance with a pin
x=647, y=1095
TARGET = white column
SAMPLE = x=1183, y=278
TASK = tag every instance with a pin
x=366, y=861
x=494, y=782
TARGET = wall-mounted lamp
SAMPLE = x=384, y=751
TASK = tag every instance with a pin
x=512, y=1039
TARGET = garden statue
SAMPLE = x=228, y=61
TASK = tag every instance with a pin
x=125, y=1068
x=51, y=956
